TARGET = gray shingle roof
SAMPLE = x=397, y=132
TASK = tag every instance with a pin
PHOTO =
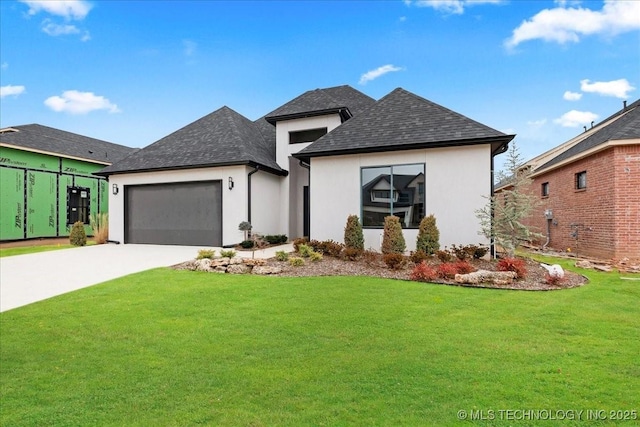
x=223, y=137
x=343, y=99
x=65, y=144
x=402, y=120
x=627, y=126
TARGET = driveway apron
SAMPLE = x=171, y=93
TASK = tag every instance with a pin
x=25, y=279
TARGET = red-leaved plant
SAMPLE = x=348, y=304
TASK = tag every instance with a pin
x=517, y=265
x=423, y=272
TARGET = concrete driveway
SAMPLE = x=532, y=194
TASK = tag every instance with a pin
x=25, y=279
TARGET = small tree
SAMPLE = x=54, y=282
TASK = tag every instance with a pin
x=353, y=237
x=392, y=238
x=77, y=236
x=501, y=218
x=428, y=239
x=245, y=226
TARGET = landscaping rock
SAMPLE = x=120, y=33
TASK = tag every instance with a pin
x=254, y=261
x=238, y=269
x=584, y=264
x=603, y=267
x=263, y=269
x=235, y=260
x=218, y=262
x=202, y=264
x=554, y=270
x=486, y=276
x=221, y=268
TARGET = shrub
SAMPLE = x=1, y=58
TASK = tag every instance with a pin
x=447, y=270
x=444, y=256
x=206, y=253
x=353, y=237
x=460, y=252
x=517, y=265
x=247, y=244
x=298, y=242
x=423, y=272
x=331, y=248
x=428, y=239
x=77, y=236
x=315, y=256
x=479, y=251
x=282, y=256
x=392, y=237
x=351, y=254
x=296, y=261
x=275, y=239
x=554, y=280
x=227, y=253
x=316, y=245
x=305, y=250
x=100, y=227
x=463, y=267
x=418, y=256
x=394, y=261
x=371, y=258
x=245, y=227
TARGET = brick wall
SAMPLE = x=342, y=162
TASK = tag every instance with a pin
x=602, y=220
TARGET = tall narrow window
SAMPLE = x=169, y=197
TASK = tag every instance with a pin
x=393, y=190
x=545, y=189
x=581, y=180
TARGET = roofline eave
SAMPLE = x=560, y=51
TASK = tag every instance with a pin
x=344, y=113
x=280, y=172
x=503, y=141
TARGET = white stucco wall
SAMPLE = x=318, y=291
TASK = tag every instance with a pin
x=234, y=202
x=265, y=200
x=456, y=179
x=284, y=150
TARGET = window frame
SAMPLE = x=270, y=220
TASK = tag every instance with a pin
x=316, y=133
x=396, y=194
x=580, y=181
x=544, y=189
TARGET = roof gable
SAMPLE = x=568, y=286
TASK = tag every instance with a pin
x=35, y=137
x=402, y=120
x=624, y=124
x=344, y=100
x=223, y=137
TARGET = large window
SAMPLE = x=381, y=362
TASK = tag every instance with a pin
x=393, y=190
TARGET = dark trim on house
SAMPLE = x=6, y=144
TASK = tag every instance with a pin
x=503, y=140
x=345, y=115
x=257, y=168
x=169, y=168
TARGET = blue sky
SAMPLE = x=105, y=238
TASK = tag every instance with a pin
x=131, y=72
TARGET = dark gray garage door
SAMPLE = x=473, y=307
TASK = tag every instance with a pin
x=186, y=213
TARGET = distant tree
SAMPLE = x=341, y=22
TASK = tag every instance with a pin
x=501, y=219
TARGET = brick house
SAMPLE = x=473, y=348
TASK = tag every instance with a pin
x=589, y=190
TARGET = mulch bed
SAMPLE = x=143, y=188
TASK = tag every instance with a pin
x=330, y=266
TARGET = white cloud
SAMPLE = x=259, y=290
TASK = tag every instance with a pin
x=380, y=71
x=58, y=30
x=10, y=90
x=75, y=102
x=618, y=88
x=563, y=25
x=576, y=118
x=455, y=7
x=571, y=96
x=537, y=123
x=68, y=9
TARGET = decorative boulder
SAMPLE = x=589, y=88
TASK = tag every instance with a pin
x=238, y=269
x=264, y=269
x=202, y=264
x=500, y=278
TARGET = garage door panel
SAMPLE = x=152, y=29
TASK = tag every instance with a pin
x=175, y=214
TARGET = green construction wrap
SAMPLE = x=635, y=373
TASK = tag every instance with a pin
x=28, y=160
x=41, y=204
x=12, y=206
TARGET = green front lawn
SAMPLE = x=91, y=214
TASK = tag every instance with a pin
x=24, y=250
x=177, y=348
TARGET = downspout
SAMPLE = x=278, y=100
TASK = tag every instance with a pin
x=257, y=168
x=492, y=246
x=307, y=166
